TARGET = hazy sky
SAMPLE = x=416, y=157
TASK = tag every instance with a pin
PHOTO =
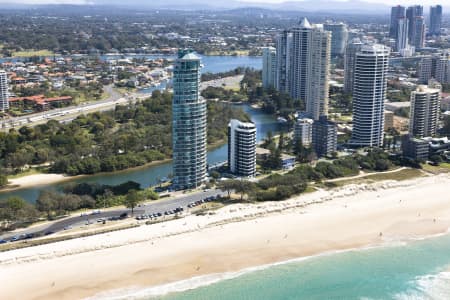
x=387, y=2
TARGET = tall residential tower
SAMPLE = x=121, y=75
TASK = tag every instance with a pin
x=349, y=63
x=339, y=36
x=397, y=12
x=189, y=123
x=416, y=26
x=435, y=20
x=304, y=65
x=369, y=95
x=242, y=148
x=425, y=105
x=4, y=104
x=269, y=71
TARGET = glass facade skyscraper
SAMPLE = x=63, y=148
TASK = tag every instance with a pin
x=435, y=20
x=189, y=123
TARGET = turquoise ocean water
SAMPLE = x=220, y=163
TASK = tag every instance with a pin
x=413, y=270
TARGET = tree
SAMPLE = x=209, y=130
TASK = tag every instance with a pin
x=382, y=165
x=281, y=142
x=303, y=154
x=446, y=127
x=14, y=204
x=273, y=160
x=226, y=185
x=132, y=199
x=15, y=210
x=3, y=180
x=46, y=203
x=243, y=187
x=436, y=159
x=215, y=174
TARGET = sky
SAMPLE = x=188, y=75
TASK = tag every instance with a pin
x=386, y=2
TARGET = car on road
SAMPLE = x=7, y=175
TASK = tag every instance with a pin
x=28, y=236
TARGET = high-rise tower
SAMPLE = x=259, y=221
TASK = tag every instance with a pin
x=4, y=104
x=416, y=26
x=339, y=37
x=304, y=65
x=269, y=71
x=425, y=105
x=397, y=12
x=189, y=123
x=349, y=63
x=369, y=95
x=435, y=20
x=283, y=53
x=242, y=148
x=401, y=41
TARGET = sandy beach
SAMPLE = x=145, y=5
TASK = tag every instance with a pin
x=33, y=180
x=230, y=239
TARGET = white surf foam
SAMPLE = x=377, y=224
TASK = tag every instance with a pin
x=428, y=287
x=135, y=293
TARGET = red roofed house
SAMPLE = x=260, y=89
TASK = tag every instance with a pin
x=39, y=102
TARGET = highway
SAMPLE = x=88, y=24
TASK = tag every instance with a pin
x=67, y=114
x=159, y=206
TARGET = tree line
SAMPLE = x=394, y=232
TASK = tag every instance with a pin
x=16, y=212
x=129, y=136
x=280, y=187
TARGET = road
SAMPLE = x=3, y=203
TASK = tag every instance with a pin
x=159, y=206
x=66, y=114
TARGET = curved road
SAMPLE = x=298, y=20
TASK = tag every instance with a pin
x=159, y=206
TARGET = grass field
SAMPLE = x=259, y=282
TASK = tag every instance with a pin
x=28, y=53
x=371, y=178
x=442, y=168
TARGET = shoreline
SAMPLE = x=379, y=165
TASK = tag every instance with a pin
x=196, y=282
x=42, y=179
x=232, y=239
x=36, y=180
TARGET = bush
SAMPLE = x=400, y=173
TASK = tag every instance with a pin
x=3, y=180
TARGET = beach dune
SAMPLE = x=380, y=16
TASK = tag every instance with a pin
x=233, y=238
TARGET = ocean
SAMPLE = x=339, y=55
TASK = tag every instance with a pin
x=417, y=269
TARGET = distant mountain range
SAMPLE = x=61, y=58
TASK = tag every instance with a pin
x=306, y=5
